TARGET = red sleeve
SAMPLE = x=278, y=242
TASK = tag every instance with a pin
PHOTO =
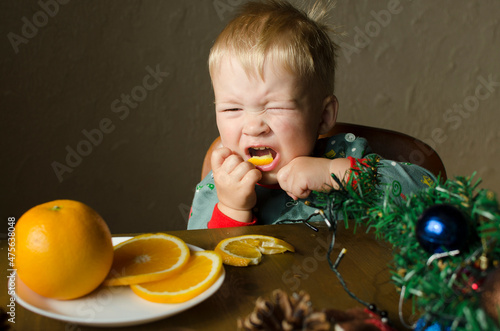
x=355, y=166
x=220, y=220
x=354, y=162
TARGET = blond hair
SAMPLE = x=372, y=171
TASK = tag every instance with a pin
x=280, y=32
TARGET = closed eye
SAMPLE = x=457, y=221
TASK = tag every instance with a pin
x=279, y=109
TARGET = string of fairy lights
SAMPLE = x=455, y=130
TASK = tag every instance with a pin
x=445, y=243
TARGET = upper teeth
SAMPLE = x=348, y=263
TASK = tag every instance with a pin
x=260, y=148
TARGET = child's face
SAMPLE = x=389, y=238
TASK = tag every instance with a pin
x=276, y=113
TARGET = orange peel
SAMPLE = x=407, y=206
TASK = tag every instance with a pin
x=201, y=272
x=146, y=258
x=245, y=250
x=261, y=160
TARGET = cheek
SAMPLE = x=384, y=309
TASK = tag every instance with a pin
x=229, y=134
x=297, y=137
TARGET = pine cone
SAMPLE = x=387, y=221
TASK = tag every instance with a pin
x=284, y=313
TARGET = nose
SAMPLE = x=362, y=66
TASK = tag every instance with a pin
x=255, y=124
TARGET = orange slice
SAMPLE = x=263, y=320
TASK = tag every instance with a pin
x=202, y=270
x=146, y=258
x=245, y=250
x=261, y=160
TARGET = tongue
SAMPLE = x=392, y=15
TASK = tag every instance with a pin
x=261, y=156
x=261, y=152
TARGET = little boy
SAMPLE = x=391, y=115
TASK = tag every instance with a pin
x=273, y=72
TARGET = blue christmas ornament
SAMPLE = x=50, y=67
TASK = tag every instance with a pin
x=442, y=228
x=421, y=326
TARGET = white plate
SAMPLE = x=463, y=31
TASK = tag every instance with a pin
x=108, y=306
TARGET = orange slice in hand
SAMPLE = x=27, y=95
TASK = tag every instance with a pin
x=202, y=270
x=261, y=160
x=244, y=250
x=146, y=258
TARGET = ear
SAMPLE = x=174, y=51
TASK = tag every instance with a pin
x=329, y=114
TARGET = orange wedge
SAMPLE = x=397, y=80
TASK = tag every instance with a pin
x=202, y=270
x=261, y=160
x=146, y=258
x=245, y=250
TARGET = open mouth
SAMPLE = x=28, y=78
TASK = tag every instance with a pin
x=260, y=156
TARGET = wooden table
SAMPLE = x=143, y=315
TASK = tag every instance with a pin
x=364, y=268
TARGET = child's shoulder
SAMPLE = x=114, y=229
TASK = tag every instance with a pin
x=206, y=183
x=345, y=145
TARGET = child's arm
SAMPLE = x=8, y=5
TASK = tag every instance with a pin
x=305, y=174
x=235, y=180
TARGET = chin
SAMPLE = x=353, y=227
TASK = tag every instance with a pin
x=268, y=179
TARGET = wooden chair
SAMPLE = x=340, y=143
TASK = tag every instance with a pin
x=389, y=144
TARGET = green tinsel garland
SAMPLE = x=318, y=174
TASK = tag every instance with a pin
x=443, y=289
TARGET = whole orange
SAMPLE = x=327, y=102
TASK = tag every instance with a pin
x=63, y=249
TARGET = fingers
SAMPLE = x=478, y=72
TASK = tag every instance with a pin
x=224, y=161
x=235, y=180
x=218, y=157
x=252, y=177
x=292, y=196
x=298, y=194
x=295, y=186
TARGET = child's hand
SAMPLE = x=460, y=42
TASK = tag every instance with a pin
x=235, y=181
x=305, y=174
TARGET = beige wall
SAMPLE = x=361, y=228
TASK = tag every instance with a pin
x=419, y=69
